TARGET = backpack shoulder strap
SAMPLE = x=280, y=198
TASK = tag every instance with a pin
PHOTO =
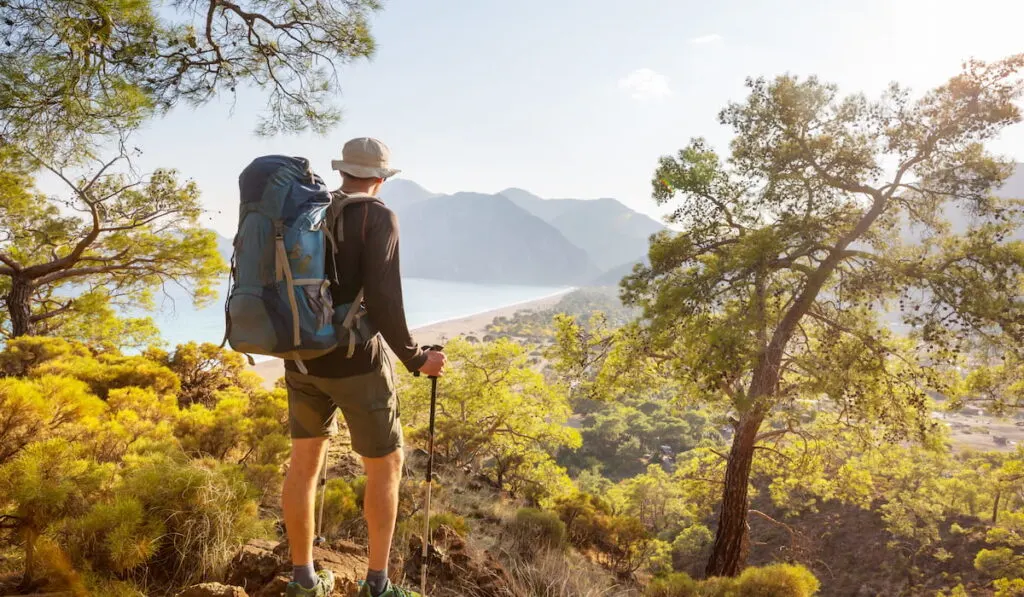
x=338, y=205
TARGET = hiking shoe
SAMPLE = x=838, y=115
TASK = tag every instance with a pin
x=392, y=591
x=324, y=586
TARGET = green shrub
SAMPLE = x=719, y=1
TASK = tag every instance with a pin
x=537, y=529
x=46, y=483
x=722, y=586
x=1008, y=587
x=691, y=547
x=586, y=519
x=340, y=506
x=359, y=486
x=21, y=355
x=453, y=521
x=107, y=372
x=673, y=585
x=207, y=509
x=116, y=536
x=413, y=526
x=38, y=409
x=778, y=580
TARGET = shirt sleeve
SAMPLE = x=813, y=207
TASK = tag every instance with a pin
x=382, y=289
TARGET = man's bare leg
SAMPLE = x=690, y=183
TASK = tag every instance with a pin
x=298, y=499
x=380, y=507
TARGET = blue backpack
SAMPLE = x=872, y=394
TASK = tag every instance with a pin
x=279, y=300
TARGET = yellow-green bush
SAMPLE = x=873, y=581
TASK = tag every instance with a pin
x=135, y=421
x=1008, y=587
x=538, y=528
x=340, y=506
x=691, y=547
x=204, y=370
x=25, y=415
x=21, y=355
x=107, y=372
x=116, y=535
x=587, y=519
x=413, y=525
x=450, y=520
x=778, y=580
x=220, y=431
x=207, y=509
x=46, y=483
x=673, y=585
x=96, y=468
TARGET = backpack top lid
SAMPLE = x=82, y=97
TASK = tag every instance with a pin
x=253, y=178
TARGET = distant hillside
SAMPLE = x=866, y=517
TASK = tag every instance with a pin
x=486, y=238
x=613, y=276
x=610, y=232
x=401, y=193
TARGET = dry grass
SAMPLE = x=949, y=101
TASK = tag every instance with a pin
x=560, y=574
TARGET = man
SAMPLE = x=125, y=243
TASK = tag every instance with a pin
x=359, y=384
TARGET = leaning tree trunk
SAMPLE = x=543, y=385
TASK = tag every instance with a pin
x=19, y=309
x=30, y=536
x=732, y=541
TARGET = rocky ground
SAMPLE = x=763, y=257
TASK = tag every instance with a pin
x=262, y=569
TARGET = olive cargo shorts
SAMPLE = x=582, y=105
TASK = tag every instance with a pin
x=368, y=402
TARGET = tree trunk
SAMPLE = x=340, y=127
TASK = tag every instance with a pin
x=30, y=536
x=995, y=508
x=732, y=541
x=18, y=302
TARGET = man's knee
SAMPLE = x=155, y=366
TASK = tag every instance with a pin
x=388, y=465
x=307, y=457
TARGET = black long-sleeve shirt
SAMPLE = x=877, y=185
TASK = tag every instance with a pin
x=367, y=258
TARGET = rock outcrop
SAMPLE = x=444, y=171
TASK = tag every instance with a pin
x=213, y=589
x=263, y=568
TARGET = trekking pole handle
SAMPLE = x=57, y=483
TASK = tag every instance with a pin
x=436, y=347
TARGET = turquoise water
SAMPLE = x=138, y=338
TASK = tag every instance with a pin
x=426, y=302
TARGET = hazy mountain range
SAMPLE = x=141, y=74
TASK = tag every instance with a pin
x=515, y=237
x=512, y=237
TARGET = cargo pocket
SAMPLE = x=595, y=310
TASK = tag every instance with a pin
x=319, y=299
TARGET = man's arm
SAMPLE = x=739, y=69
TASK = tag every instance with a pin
x=382, y=288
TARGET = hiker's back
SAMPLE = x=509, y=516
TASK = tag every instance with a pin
x=360, y=225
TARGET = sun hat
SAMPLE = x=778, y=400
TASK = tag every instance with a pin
x=365, y=157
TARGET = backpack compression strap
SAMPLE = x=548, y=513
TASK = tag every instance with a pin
x=284, y=272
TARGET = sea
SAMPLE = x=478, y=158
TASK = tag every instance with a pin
x=426, y=302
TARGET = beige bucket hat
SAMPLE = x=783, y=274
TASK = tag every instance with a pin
x=365, y=157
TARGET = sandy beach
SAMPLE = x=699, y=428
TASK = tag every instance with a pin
x=436, y=333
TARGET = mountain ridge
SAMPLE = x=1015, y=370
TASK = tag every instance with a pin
x=606, y=231
x=472, y=237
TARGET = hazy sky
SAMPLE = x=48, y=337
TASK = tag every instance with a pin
x=578, y=98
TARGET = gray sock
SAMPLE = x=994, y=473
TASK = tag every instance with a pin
x=305, y=575
x=378, y=581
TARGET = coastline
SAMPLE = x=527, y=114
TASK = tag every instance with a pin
x=437, y=332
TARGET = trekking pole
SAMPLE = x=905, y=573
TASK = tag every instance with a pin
x=430, y=477
x=319, y=540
